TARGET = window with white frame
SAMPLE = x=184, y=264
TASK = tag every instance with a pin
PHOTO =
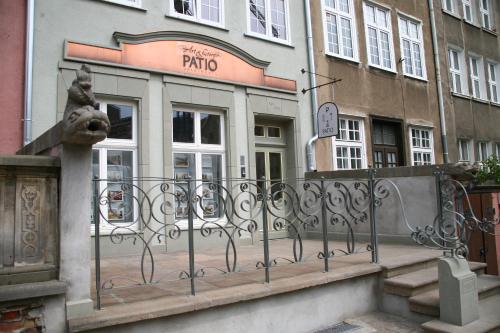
x=379, y=34
x=340, y=28
x=468, y=11
x=199, y=154
x=412, y=47
x=464, y=150
x=483, y=150
x=449, y=5
x=477, y=77
x=205, y=11
x=349, y=146
x=269, y=18
x=132, y=3
x=492, y=81
x=114, y=162
x=458, y=83
x=484, y=9
x=422, y=151
x=497, y=149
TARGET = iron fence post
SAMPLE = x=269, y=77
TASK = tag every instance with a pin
x=324, y=223
x=373, y=219
x=190, y=233
x=97, y=244
x=265, y=228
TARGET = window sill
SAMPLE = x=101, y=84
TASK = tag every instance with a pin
x=495, y=104
x=460, y=95
x=472, y=24
x=383, y=69
x=452, y=14
x=195, y=21
x=480, y=100
x=418, y=78
x=491, y=32
x=268, y=39
x=111, y=2
x=336, y=56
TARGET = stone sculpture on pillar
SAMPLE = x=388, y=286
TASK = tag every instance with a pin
x=83, y=123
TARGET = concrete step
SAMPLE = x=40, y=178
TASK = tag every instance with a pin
x=414, y=283
x=488, y=322
x=410, y=263
x=427, y=303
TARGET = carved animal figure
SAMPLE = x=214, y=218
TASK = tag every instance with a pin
x=83, y=123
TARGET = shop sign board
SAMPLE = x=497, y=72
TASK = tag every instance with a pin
x=328, y=120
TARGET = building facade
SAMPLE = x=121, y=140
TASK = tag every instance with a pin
x=387, y=97
x=206, y=89
x=469, y=50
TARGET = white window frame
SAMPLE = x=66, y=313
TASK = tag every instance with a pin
x=412, y=41
x=361, y=143
x=480, y=92
x=419, y=148
x=493, y=84
x=497, y=150
x=268, y=35
x=327, y=10
x=378, y=30
x=197, y=14
x=199, y=149
x=468, y=4
x=486, y=12
x=461, y=71
x=450, y=9
x=467, y=144
x=123, y=145
x=129, y=3
x=479, y=150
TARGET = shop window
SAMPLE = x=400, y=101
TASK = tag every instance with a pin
x=493, y=82
x=483, y=151
x=458, y=83
x=379, y=37
x=269, y=19
x=349, y=146
x=205, y=11
x=477, y=77
x=464, y=150
x=339, y=26
x=412, y=47
x=114, y=161
x=421, y=146
x=199, y=154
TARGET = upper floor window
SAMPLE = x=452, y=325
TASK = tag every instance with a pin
x=422, y=152
x=497, y=150
x=206, y=11
x=485, y=10
x=379, y=35
x=132, y=3
x=449, y=5
x=492, y=81
x=269, y=18
x=340, y=28
x=464, y=150
x=483, y=151
x=412, y=47
x=477, y=77
x=468, y=11
x=457, y=71
x=349, y=146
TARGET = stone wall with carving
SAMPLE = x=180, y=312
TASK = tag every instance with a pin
x=28, y=219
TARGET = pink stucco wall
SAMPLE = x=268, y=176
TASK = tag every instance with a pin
x=12, y=50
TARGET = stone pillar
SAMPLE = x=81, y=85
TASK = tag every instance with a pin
x=75, y=210
x=458, y=299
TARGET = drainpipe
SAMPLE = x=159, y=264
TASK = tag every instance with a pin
x=28, y=75
x=310, y=156
x=439, y=82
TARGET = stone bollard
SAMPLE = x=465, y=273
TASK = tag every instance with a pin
x=458, y=299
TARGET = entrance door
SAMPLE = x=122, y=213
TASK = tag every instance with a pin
x=269, y=163
x=387, y=152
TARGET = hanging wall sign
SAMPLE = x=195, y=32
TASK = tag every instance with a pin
x=328, y=120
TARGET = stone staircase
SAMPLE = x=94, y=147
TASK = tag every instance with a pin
x=411, y=290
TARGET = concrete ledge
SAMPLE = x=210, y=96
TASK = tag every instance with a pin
x=410, y=263
x=29, y=161
x=31, y=290
x=169, y=306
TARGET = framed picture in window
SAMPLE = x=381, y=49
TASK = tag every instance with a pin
x=181, y=162
x=115, y=214
x=114, y=158
x=115, y=195
x=208, y=194
x=181, y=175
x=115, y=175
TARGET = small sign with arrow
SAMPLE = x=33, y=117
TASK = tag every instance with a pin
x=328, y=120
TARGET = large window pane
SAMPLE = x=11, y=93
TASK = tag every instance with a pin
x=120, y=189
x=258, y=16
x=183, y=126
x=185, y=7
x=120, y=117
x=212, y=182
x=210, y=129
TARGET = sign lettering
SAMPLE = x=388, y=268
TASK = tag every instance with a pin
x=199, y=60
